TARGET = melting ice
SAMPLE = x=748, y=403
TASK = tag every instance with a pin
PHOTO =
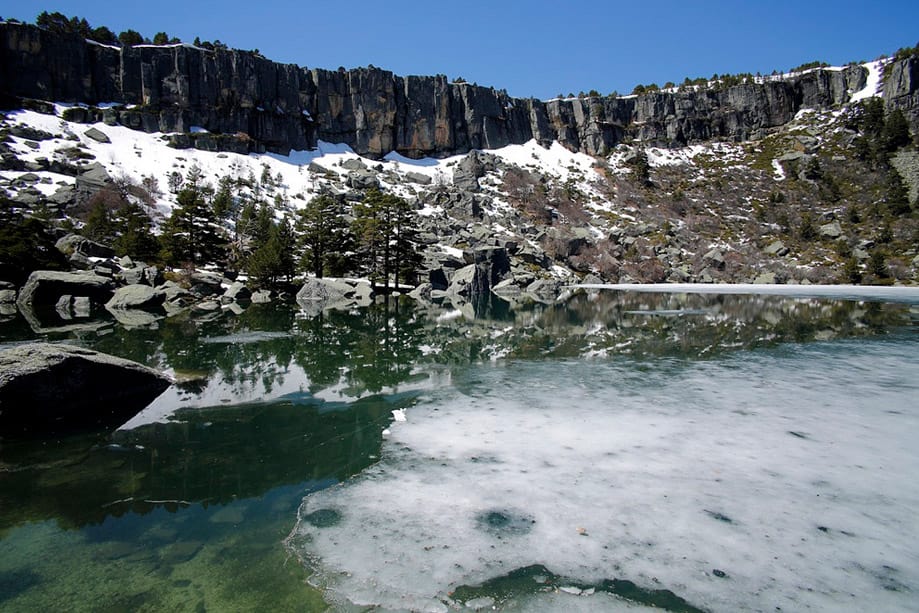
x=776, y=479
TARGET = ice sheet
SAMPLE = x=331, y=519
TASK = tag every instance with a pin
x=778, y=479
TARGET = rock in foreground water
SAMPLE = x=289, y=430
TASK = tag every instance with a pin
x=48, y=388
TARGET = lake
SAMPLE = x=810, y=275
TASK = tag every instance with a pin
x=619, y=451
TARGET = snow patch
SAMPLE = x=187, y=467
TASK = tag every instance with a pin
x=873, y=83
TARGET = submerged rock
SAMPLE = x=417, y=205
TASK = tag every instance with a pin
x=48, y=387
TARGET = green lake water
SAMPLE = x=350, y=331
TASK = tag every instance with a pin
x=208, y=500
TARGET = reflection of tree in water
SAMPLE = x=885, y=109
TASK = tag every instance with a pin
x=369, y=349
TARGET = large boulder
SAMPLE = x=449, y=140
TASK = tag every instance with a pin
x=237, y=292
x=472, y=167
x=137, y=296
x=362, y=180
x=53, y=388
x=490, y=266
x=45, y=288
x=74, y=243
x=334, y=293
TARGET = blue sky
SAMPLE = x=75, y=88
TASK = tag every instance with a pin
x=536, y=48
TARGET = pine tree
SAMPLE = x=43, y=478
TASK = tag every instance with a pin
x=192, y=234
x=273, y=260
x=25, y=245
x=386, y=238
x=103, y=35
x=129, y=38
x=641, y=166
x=134, y=233
x=323, y=236
x=895, y=133
x=224, y=204
x=896, y=197
x=99, y=225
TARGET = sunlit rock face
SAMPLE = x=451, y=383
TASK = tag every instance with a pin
x=246, y=101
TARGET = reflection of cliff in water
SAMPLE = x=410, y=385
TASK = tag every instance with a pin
x=289, y=399
x=209, y=456
x=662, y=325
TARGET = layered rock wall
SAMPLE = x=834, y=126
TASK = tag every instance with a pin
x=279, y=107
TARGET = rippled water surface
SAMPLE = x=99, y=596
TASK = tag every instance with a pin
x=620, y=451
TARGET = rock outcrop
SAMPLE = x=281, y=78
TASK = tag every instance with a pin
x=45, y=288
x=319, y=294
x=247, y=103
x=901, y=88
x=53, y=388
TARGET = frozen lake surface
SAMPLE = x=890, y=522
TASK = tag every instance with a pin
x=775, y=479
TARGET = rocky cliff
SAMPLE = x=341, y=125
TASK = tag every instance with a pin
x=247, y=102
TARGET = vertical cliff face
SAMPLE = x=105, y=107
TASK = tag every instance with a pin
x=280, y=107
x=901, y=88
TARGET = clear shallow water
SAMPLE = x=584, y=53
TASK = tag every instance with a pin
x=625, y=445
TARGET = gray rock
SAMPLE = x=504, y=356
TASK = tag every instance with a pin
x=334, y=293
x=97, y=135
x=508, y=287
x=136, y=296
x=81, y=307
x=132, y=276
x=362, y=180
x=64, y=195
x=417, y=177
x=24, y=131
x=262, y=296
x=545, y=290
x=354, y=164
x=831, y=230
x=80, y=261
x=766, y=278
x=205, y=284
x=465, y=282
x=74, y=243
x=680, y=274
x=174, y=291
x=208, y=306
x=52, y=388
x=715, y=259
x=152, y=275
x=237, y=292
x=422, y=292
x=105, y=268
x=776, y=248
x=136, y=319
x=471, y=168
x=206, y=277
x=45, y=287
x=28, y=197
x=64, y=306
x=93, y=178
